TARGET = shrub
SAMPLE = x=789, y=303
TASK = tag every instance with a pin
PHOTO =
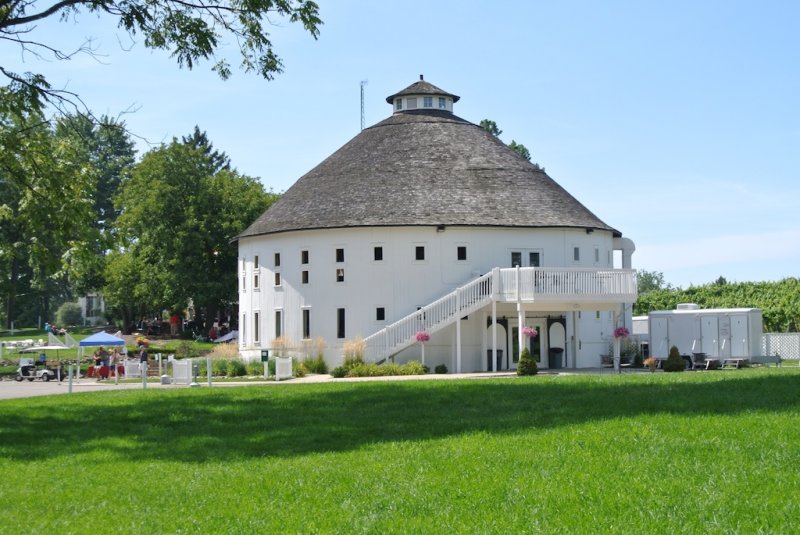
x=526, y=364
x=315, y=365
x=354, y=350
x=426, y=369
x=441, y=368
x=235, y=368
x=298, y=369
x=338, y=372
x=365, y=370
x=219, y=367
x=186, y=350
x=351, y=361
x=674, y=362
x=414, y=367
x=638, y=361
x=255, y=367
x=69, y=314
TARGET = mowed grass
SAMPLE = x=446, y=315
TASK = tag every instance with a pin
x=704, y=452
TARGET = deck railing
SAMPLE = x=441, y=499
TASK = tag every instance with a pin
x=541, y=285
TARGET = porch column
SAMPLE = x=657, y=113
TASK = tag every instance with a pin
x=494, y=336
x=521, y=323
x=458, y=340
x=575, y=341
x=616, y=344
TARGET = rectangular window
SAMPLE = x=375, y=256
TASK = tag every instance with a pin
x=304, y=277
x=516, y=259
x=378, y=254
x=340, y=255
x=243, y=323
x=380, y=314
x=535, y=260
x=277, y=279
x=256, y=329
x=596, y=255
x=576, y=254
x=340, y=333
x=398, y=103
x=255, y=281
x=306, y=323
x=278, y=323
x=255, y=262
x=339, y=275
x=419, y=252
x=442, y=103
x=304, y=257
x=244, y=282
x=427, y=102
x=411, y=103
x=277, y=259
x=461, y=252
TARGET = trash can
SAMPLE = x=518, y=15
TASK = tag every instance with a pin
x=489, y=359
x=554, y=358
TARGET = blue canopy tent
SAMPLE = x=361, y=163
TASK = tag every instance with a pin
x=101, y=339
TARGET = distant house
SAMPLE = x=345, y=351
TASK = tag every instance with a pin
x=93, y=308
x=426, y=222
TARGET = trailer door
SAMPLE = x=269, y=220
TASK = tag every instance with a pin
x=739, y=342
x=709, y=334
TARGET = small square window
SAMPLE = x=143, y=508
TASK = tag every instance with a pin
x=461, y=253
x=419, y=252
x=380, y=314
x=427, y=102
x=442, y=103
x=378, y=254
x=340, y=255
x=339, y=275
x=304, y=277
x=304, y=257
x=277, y=259
x=277, y=279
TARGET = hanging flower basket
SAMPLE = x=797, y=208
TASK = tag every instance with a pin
x=530, y=332
x=422, y=337
x=621, y=332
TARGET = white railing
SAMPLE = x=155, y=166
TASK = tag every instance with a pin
x=526, y=284
x=459, y=303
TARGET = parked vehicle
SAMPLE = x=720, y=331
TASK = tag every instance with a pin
x=28, y=369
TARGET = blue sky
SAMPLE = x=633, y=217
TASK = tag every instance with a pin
x=675, y=122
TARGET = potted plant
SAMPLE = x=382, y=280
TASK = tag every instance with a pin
x=422, y=337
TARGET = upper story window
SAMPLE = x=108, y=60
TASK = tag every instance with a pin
x=398, y=103
x=277, y=259
x=255, y=262
x=535, y=259
x=304, y=257
x=461, y=252
x=427, y=102
x=419, y=252
x=380, y=314
x=411, y=103
x=576, y=254
x=377, y=253
x=596, y=255
x=277, y=279
x=516, y=259
x=442, y=103
x=304, y=277
x=340, y=255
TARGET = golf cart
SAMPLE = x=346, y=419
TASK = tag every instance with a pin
x=28, y=369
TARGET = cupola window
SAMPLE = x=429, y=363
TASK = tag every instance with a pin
x=411, y=103
x=427, y=102
x=442, y=103
x=398, y=103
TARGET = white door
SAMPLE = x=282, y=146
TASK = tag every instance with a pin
x=659, y=339
x=739, y=343
x=535, y=343
x=709, y=336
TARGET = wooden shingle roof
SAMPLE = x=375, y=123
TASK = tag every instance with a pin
x=424, y=167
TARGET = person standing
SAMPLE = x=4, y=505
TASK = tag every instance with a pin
x=173, y=324
x=143, y=357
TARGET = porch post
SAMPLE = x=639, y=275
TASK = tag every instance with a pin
x=494, y=336
x=521, y=324
x=458, y=332
x=575, y=338
x=616, y=344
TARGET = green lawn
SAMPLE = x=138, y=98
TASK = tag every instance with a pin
x=702, y=452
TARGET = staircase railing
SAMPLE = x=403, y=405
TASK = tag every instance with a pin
x=459, y=303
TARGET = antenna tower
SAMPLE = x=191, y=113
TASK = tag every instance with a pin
x=363, y=83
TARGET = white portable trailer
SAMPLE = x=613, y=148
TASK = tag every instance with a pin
x=720, y=333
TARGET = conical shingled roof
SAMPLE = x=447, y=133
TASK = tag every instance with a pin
x=419, y=168
x=422, y=88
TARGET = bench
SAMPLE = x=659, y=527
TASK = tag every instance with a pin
x=766, y=359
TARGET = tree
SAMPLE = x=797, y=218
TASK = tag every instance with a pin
x=199, y=140
x=45, y=208
x=650, y=281
x=190, y=31
x=178, y=217
x=491, y=127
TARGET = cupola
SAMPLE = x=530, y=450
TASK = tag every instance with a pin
x=424, y=96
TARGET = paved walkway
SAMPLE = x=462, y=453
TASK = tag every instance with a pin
x=26, y=389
